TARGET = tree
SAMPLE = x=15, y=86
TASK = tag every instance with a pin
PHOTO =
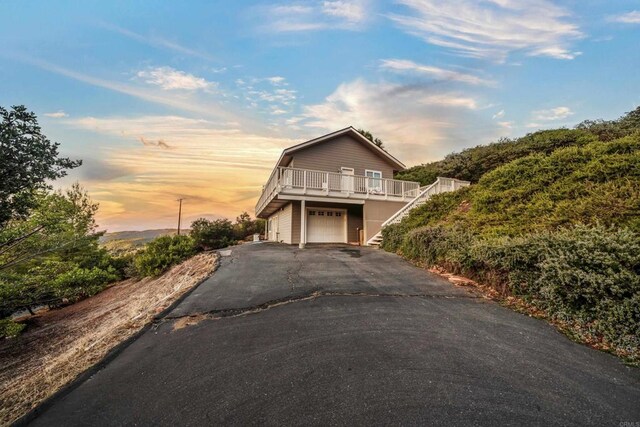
x=57, y=240
x=27, y=160
x=245, y=226
x=212, y=234
x=371, y=138
x=60, y=223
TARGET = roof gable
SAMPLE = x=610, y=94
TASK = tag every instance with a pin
x=289, y=152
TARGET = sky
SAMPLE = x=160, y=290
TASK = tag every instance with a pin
x=166, y=100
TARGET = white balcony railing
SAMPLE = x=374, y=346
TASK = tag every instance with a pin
x=305, y=181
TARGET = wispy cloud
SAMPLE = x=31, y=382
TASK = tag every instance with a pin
x=492, y=29
x=207, y=109
x=156, y=41
x=171, y=79
x=407, y=66
x=632, y=17
x=57, y=115
x=336, y=14
x=500, y=114
x=418, y=122
x=220, y=170
x=552, y=114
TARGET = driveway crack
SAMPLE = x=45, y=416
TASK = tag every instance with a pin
x=193, y=319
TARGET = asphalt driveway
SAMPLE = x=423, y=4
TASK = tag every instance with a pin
x=346, y=335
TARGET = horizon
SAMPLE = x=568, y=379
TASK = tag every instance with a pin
x=162, y=101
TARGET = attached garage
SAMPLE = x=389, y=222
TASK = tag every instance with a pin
x=326, y=225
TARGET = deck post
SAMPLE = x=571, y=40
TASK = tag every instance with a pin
x=303, y=224
x=304, y=182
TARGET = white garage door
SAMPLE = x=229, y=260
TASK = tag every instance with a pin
x=326, y=225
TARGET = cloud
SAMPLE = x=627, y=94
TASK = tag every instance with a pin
x=632, y=17
x=276, y=80
x=552, y=114
x=407, y=66
x=492, y=29
x=417, y=122
x=450, y=99
x=336, y=14
x=219, y=170
x=156, y=41
x=207, y=109
x=352, y=11
x=57, y=115
x=505, y=125
x=159, y=143
x=171, y=79
x=498, y=115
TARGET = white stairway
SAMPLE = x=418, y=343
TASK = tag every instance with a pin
x=441, y=185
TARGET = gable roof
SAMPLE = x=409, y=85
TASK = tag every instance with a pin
x=287, y=152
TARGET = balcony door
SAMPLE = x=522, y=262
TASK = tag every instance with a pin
x=346, y=181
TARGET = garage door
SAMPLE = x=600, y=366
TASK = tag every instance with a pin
x=326, y=226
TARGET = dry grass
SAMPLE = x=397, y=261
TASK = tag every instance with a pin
x=61, y=344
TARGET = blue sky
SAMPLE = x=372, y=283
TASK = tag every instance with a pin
x=196, y=99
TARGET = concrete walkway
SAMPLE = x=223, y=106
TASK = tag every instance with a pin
x=344, y=336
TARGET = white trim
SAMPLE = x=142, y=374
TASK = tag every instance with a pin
x=345, y=214
x=345, y=200
x=344, y=169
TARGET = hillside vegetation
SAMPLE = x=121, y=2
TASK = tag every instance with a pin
x=553, y=219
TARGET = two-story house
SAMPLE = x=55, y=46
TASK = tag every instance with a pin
x=337, y=188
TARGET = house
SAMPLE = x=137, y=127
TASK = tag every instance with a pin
x=337, y=188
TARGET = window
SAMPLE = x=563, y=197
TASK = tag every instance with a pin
x=375, y=181
x=338, y=213
x=312, y=212
x=320, y=213
x=329, y=213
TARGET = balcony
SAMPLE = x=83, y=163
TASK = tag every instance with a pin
x=298, y=182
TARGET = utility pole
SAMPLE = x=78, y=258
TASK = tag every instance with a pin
x=179, y=214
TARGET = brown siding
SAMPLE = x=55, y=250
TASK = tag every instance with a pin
x=376, y=212
x=343, y=151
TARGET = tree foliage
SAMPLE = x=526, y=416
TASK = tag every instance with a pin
x=371, y=138
x=162, y=253
x=212, y=234
x=473, y=163
x=28, y=159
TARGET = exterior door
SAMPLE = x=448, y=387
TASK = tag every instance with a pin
x=346, y=183
x=273, y=228
x=326, y=225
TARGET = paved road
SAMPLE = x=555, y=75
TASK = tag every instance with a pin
x=345, y=336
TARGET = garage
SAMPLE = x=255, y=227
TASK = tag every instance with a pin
x=326, y=225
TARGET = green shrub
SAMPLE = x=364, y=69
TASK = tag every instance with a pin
x=471, y=164
x=82, y=282
x=162, y=253
x=213, y=234
x=588, y=276
x=9, y=328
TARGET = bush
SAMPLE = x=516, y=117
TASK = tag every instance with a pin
x=212, y=234
x=162, y=253
x=82, y=282
x=9, y=328
x=588, y=276
x=471, y=164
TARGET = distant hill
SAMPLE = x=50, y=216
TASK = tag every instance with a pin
x=124, y=241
